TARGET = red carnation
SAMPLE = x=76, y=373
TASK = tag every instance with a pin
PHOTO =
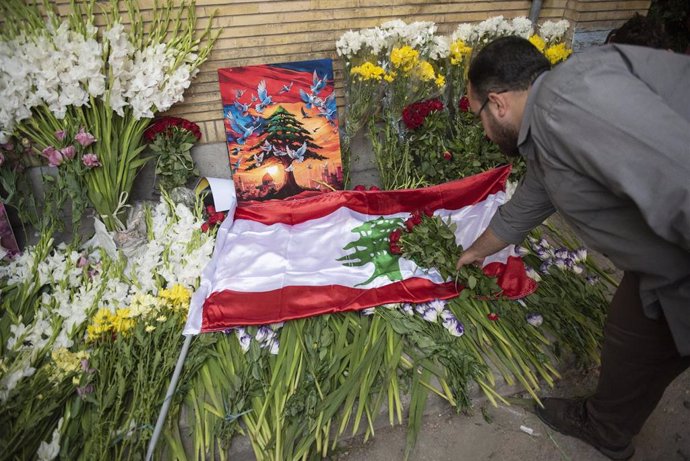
x=464, y=104
x=492, y=316
x=394, y=236
x=210, y=209
x=360, y=187
x=204, y=227
x=374, y=188
x=395, y=248
x=447, y=156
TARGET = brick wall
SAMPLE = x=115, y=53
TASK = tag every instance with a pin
x=273, y=31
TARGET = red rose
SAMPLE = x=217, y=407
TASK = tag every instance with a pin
x=395, y=248
x=394, y=236
x=464, y=104
x=359, y=187
x=493, y=316
x=428, y=212
x=374, y=188
x=204, y=227
x=447, y=156
x=210, y=209
x=409, y=224
x=414, y=115
x=416, y=218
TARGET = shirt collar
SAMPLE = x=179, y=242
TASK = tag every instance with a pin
x=527, y=113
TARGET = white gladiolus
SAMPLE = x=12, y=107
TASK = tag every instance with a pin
x=50, y=451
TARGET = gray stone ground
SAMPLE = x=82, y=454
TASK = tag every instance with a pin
x=491, y=433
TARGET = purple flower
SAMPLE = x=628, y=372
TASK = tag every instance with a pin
x=561, y=263
x=85, y=366
x=369, y=311
x=60, y=135
x=531, y=273
x=430, y=314
x=85, y=390
x=438, y=305
x=592, y=279
x=243, y=338
x=264, y=334
x=68, y=152
x=454, y=327
x=407, y=309
x=562, y=253
x=91, y=160
x=82, y=261
x=544, y=254
x=534, y=319
x=84, y=138
x=273, y=346
x=580, y=254
x=420, y=308
x=53, y=155
x=544, y=268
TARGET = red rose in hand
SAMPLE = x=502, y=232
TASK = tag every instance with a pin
x=395, y=248
x=464, y=104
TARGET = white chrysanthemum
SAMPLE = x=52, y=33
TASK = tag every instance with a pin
x=522, y=27
x=465, y=32
x=375, y=40
x=554, y=31
x=440, y=48
x=349, y=44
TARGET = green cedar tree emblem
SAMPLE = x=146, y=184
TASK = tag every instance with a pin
x=373, y=247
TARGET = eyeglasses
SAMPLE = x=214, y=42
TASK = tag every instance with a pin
x=486, y=101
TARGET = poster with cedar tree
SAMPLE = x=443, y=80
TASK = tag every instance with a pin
x=281, y=127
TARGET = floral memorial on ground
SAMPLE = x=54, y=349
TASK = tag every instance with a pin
x=91, y=329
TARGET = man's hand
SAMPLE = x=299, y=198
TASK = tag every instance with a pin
x=487, y=244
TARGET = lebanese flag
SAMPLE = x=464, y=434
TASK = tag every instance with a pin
x=290, y=259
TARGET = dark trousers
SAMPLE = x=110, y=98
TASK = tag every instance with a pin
x=638, y=361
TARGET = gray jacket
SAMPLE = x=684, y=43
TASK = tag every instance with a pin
x=606, y=136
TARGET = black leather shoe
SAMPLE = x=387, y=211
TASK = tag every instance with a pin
x=569, y=417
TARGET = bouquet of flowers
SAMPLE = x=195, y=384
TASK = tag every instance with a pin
x=172, y=139
x=58, y=72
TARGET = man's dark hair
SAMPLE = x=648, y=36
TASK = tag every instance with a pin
x=641, y=31
x=506, y=64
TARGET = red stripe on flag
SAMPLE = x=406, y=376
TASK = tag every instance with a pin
x=450, y=196
x=229, y=308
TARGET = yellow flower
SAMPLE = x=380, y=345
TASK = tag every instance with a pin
x=390, y=76
x=66, y=363
x=440, y=81
x=538, y=42
x=102, y=323
x=557, y=53
x=404, y=58
x=426, y=71
x=143, y=304
x=162, y=318
x=176, y=297
x=149, y=328
x=368, y=71
x=123, y=321
x=458, y=52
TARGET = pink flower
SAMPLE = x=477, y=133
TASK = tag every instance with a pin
x=68, y=152
x=90, y=160
x=53, y=155
x=60, y=135
x=82, y=261
x=84, y=138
